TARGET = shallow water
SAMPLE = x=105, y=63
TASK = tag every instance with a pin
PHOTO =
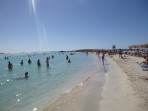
x=44, y=83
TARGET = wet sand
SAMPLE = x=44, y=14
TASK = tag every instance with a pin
x=103, y=91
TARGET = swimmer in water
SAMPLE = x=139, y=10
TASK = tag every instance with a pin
x=26, y=75
x=69, y=61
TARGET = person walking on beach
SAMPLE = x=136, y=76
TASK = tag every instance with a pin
x=103, y=57
x=120, y=54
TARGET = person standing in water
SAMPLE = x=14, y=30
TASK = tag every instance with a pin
x=47, y=61
x=66, y=57
x=38, y=62
x=10, y=66
x=29, y=61
x=52, y=56
x=21, y=62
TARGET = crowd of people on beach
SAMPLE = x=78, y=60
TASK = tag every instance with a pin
x=142, y=54
x=122, y=54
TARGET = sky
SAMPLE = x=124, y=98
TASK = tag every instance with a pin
x=54, y=25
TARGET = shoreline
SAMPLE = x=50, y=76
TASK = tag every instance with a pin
x=103, y=91
x=79, y=98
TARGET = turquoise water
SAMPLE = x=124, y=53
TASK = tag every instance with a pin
x=44, y=83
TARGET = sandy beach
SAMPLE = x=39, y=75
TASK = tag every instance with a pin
x=137, y=77
x=122, y=88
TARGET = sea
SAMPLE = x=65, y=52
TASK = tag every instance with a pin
x=44, y=84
